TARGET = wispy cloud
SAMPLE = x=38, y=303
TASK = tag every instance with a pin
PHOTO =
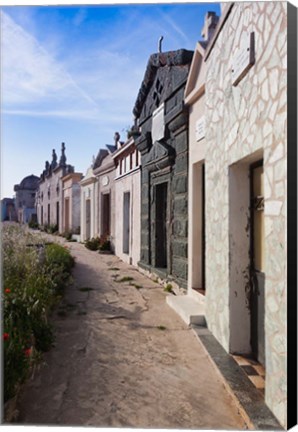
x=32, y=77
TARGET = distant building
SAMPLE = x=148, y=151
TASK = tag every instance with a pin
x=49, y=197
x=104, y=171
x=89, y=199
x=71, y=210
x=25, y=198
x=127, y=202
x=8, y=211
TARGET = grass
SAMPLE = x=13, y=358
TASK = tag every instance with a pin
x=113, y=269
x=168, y=288
x=86, y=289
x=161, y=327
x=125, y=279
x=137, y=286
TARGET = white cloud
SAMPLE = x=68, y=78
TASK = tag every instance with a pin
x=31, y=76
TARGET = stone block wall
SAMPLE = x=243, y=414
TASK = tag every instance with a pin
x=248, y=122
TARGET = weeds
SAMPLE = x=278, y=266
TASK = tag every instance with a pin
x=168, y=288
x=161, y=327
x=125, y=279
x=86, y=289
x=34, y=275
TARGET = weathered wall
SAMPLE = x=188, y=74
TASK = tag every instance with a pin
x=245, y=123
x=105, y=176
x=196, y=159
x=129, y=183
x=53, y=184
x=165, y=162
x=88, y=192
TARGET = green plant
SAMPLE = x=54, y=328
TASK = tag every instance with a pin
x=67, y=235
x=113, y=268
x=33, y=224
x=33, y=273
x=85, y=289
x=168, y=288
x=105, y=245
x=136, y=286
x=93, y=244
x=161, y=327
x=52, y=228
x=125, y=279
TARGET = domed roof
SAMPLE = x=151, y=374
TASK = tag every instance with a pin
x=29, y=182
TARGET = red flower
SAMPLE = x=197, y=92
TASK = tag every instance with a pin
x=28, y=352
x=5, y=336
x=7, y=291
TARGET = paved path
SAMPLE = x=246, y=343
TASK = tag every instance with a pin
x=114, y=366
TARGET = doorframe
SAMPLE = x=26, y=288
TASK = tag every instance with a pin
x=254, y=165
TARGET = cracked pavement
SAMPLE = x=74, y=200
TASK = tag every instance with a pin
x=123, y=358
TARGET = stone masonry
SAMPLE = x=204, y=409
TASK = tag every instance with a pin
x=247, y=122
x=163, y=145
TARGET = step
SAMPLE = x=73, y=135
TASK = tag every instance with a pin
x=189, y=309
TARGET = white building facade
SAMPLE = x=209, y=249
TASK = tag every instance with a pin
x=127, y=202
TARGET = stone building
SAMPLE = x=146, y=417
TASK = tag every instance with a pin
x=127, y=202
x=71, y=209
x=104, y=172
x=192, y=306
x=8, y=210
x=25, y=198
x=49, y=197
x=163, y=143
x=239, y=188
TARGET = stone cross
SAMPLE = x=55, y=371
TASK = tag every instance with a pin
x=159, y=43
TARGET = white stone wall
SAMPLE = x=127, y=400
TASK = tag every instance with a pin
x=51, y=183
x=105, y=176
x=129, y=183
x=245, y=123
x=88, y=193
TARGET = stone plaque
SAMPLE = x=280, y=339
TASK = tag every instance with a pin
x=200, y=128
x=243, y=58
x=158, y=124
x=105, y=181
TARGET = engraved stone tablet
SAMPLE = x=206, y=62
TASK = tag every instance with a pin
x=243, y=58
x=158, y=124
x=200, y=128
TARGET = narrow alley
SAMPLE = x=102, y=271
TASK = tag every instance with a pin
x=123, y=358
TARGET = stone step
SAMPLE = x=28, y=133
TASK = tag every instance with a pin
x=190, y=310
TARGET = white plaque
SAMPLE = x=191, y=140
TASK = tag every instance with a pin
x=105, y=181
x=158, y=124
x=200, y=128
x=243, y=58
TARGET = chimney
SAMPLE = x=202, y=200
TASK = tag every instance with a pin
x=211, y=20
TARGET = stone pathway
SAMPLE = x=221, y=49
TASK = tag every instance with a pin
x=123, y=358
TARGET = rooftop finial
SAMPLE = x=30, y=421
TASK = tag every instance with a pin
x=63, y=157
x=159, y=43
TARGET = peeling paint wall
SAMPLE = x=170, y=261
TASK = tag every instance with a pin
x=245, y=122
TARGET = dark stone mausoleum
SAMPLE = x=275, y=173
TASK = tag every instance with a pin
x=162, y=122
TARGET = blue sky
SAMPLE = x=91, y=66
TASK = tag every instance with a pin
x=72, y=73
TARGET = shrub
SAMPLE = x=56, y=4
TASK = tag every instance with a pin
x=33, y=274
x=33, y=224
x=105, y=245
x=52, y=228
x=93, y=244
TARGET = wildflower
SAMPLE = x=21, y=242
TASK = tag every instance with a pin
x=28, y=352
x=5, y=336
x=7, y=291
